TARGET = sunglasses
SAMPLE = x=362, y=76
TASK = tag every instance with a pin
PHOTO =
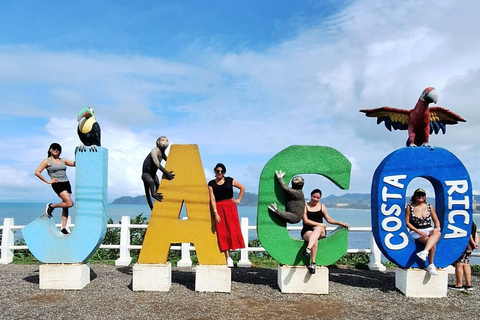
x=421, y=195
x=219, y=171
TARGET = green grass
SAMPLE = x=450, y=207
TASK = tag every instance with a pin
x=354, y=261
x=390, y=265
x=264, y=262
x=357, y=261
x=23, y=260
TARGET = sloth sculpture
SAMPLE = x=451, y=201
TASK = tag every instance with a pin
x=295, y=201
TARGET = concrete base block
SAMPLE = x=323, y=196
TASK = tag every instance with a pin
x=64, y=276
x=420, y=284
x=152, y=277
x=213, y=278
x=297, y=279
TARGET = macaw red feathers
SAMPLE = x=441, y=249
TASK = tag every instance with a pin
x=420, y=121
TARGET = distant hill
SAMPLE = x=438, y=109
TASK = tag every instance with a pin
x=349, y=200
x=249, y=199
x=130, y=200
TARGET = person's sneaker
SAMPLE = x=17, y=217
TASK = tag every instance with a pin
x=457, y=288
x=312, y=267
x=64, y=231
x=432, y=270
x=423, y=255
x=469, y=288
x=49, y=210
x=307, y=253
x=229, y=262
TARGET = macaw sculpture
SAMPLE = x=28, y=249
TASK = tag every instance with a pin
x=420, y=121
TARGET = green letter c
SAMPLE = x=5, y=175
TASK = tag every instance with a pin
x=272, y=231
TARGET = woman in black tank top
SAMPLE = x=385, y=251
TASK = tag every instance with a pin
x=313, y=226
x=419, y=215
x=224, y=206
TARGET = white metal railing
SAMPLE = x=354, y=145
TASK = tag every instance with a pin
x=8, y=244
x=8, y=247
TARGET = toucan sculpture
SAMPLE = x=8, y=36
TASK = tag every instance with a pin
x=88, y=129
x=420, y=121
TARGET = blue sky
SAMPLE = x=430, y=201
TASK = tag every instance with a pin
x=242, y=79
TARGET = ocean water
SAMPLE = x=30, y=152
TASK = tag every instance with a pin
x=26, y=212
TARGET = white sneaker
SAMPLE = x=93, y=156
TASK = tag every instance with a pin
x=423, y=255
x=432, y=270
x=229, y=262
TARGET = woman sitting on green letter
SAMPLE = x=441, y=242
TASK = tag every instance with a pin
x=313, y=226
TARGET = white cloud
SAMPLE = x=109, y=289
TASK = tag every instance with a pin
x=14, y=179
x=244, y=107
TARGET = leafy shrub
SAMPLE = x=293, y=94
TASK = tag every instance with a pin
x=475, y=268
x=389, y=265
x=112, y=236
x=255, y=243
x=23, y=256
x=137, y=235
x=355, y=260
x=259, y=259
x=136, y=238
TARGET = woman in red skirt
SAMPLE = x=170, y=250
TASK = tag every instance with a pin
x=224, y=208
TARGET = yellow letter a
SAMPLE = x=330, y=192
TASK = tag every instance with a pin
x=189, y=188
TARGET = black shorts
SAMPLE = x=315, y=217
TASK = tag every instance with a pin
x=465, y=257
x=59, y=187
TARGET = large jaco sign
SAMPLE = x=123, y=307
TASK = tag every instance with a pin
x=272, y=230
x=189, y=188
x=453, y=196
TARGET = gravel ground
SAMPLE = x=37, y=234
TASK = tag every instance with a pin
x=354, y=294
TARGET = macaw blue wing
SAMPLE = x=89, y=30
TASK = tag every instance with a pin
x=440, y=117
x=435, y=127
